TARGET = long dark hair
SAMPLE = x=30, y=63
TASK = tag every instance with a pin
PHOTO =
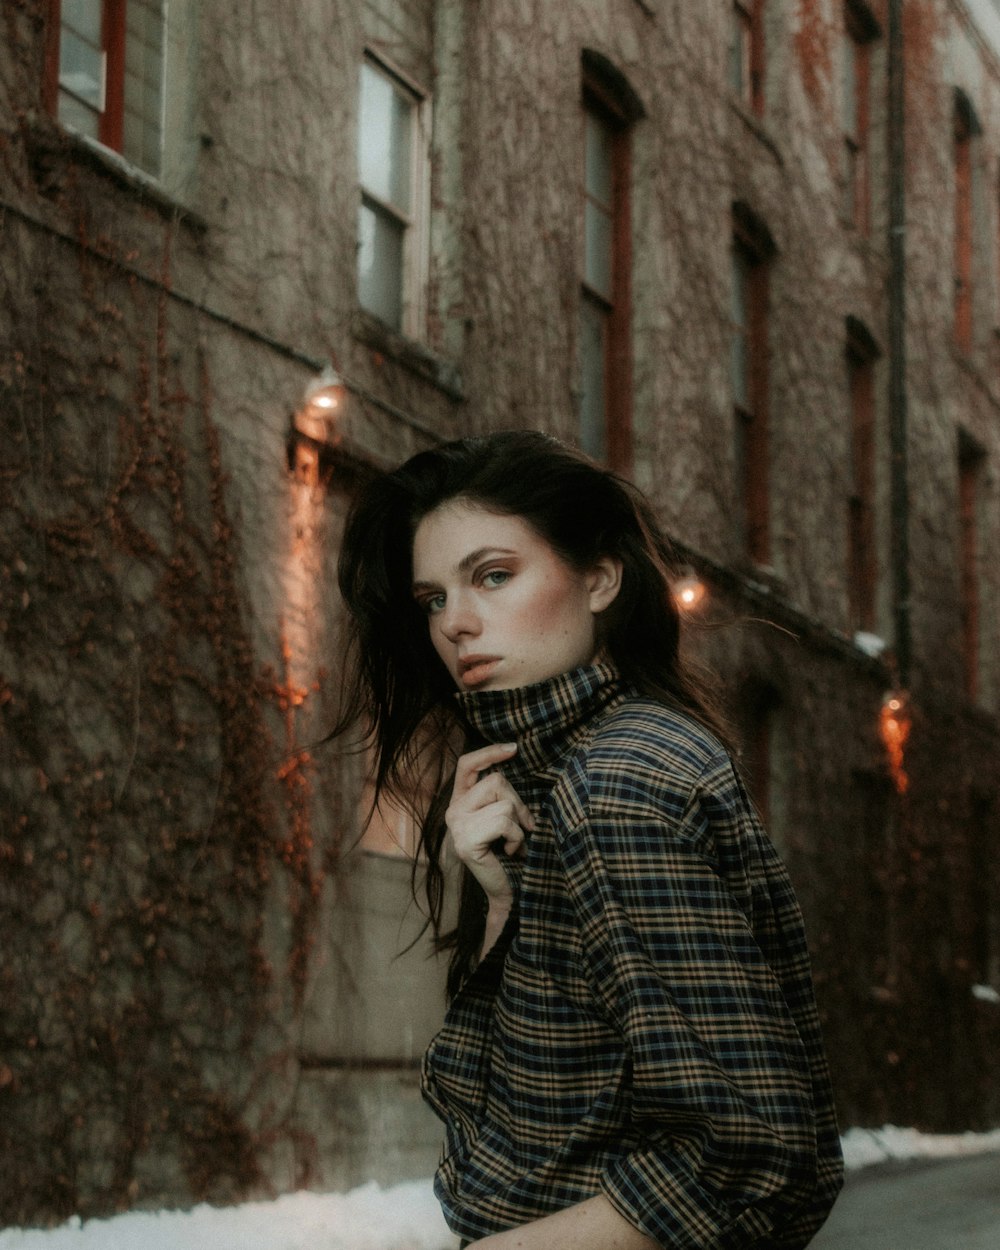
x=395, y=680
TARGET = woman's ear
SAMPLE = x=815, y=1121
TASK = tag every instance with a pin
x=604, y=582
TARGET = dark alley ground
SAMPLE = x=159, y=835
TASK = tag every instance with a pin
x=949, y=1205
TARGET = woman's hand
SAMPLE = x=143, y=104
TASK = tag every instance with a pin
x=484, y=810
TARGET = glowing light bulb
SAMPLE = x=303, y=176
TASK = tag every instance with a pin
x=323, y=401
x=895, y=723
x=689, y=591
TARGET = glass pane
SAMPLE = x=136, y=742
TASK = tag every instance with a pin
x=385, y=129
x=78, y=116
x=83, y=17
x=81, y=69
x=380, y=265
x=598, y=160
x=739, y=53
x=741, y=282
x=593, y=419
x=597, y=249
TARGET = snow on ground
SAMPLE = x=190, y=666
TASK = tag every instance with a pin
x=403, y=1217
x=865, y=1146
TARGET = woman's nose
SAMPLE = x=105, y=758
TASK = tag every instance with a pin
x=459, y=619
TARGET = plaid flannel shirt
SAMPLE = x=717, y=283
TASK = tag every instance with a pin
x=645, y=1027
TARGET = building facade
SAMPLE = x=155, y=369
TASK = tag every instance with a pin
x=746, y=253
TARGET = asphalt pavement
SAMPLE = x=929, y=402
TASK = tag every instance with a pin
x=942, y=1205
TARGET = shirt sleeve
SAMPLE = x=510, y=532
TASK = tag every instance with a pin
x=695, y=951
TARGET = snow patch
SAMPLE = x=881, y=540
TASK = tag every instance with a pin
x=865, y=1146
x=404, y=1217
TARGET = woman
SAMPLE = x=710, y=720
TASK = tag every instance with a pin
x=631, y=1056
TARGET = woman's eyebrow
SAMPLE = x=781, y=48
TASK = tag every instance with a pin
x=467, y=562
x=473, y=558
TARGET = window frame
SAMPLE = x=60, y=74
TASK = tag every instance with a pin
x=747, y=49
x=602, y=104
x=861, y=30
x=861, y=353
x=111, y=117
x=972, y=459
x=415, y=263
x=762, y=733
x=752, y=243
x=965, y=129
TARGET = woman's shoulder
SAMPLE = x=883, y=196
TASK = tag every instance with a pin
x=643, y=754
x=643, y=761
x=653, y=734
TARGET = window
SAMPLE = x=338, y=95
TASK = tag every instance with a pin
x=965, y=129
x=861, y=556
x=105, y=74
x=392, y=169
x=752, y=250
x=970, y=474
x=746, y=53
x=860, y=29
x=984, y=903
x=764, y=753
x=605, y=306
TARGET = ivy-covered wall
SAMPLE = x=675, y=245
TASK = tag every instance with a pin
x=201, y=998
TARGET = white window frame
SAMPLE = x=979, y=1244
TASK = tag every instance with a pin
x=416, y=232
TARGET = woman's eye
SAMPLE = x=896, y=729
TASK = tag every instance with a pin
x=496, y=577
x=432, y=604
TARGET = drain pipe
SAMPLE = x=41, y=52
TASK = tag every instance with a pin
x=898, y=425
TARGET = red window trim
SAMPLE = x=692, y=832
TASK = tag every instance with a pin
x=50, y=75
x=111, y=125
x=113, y=34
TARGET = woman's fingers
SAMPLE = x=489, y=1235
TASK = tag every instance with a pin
x=469, y=766
x=474, y=788
x=475, y=842
x=495, y=788
x=475, y=837
x=485, y=810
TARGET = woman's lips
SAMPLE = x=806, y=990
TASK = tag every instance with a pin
x=476, y=669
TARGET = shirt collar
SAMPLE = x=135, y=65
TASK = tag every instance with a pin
x=545, y=719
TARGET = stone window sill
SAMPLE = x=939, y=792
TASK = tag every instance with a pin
x=51, y=146
x=420, y=360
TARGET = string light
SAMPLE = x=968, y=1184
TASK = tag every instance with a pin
x=323, y=403
x=895, y=723
x=689, y=592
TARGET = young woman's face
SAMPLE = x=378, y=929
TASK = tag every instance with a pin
x=504, y=610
